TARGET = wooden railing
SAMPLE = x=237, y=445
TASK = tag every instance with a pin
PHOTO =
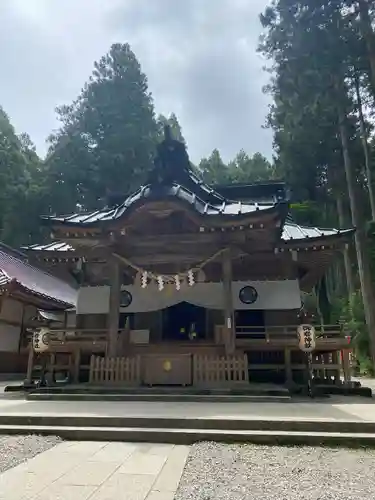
x=80, y=338
x=285, y=335
x=287, y=331
x=115, y=370
x=73, y=334
x=212, y=370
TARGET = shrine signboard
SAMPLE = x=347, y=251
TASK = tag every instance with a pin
x=306, y=338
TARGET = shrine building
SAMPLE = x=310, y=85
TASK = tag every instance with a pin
x=181, y=283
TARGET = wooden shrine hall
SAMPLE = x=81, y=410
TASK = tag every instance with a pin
x=186, y=284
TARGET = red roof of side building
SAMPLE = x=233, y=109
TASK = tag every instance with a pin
x=16, y=271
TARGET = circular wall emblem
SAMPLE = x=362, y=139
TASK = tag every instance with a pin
x=248, y=295
x=126, y=298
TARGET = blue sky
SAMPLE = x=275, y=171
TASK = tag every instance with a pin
x=199, y=55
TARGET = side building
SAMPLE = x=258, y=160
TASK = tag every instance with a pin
x=184, y=284
x=24, y=291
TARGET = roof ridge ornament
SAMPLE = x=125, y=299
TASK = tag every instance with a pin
x=171, y=162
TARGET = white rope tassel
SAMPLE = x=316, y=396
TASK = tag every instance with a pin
x=160, y=283
x=144, y=279
x=191, y=278
x=178, y=282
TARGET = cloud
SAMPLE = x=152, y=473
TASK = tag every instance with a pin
x=199, y=55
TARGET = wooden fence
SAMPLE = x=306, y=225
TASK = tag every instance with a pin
x=125, y=371
x=215, y=370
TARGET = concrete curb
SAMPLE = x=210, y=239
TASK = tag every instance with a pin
x=190, y=436
x=194, y=398
x=182, y=423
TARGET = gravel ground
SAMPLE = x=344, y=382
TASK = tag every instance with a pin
x=247, y=472
x=17, y=449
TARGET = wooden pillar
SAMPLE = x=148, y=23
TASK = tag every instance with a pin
x=114, y=307
x=321, y=361
x=30, y=364
x=288, y=367
x=77, y=363
x=52, y=364
x=207, y=333
x=229, y=320
x=125, y=339
x=346, y=365
x=336, y=360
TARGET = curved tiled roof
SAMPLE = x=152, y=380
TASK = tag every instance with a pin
x=172, y=177
x=214, y=204
x=35, y=281
x=55, y=246
x=292, y=232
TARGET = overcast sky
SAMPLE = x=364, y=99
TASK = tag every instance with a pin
x=199, y=55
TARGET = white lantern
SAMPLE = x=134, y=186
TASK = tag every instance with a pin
x=41, y=340
x=306, y=338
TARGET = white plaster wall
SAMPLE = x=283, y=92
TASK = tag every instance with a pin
x=71, y=319
x=93, y=300
x=11, y=310
x=9, y=334
x=279, y=295
x=9, y=337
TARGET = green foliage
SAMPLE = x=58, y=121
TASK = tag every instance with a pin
x=316, y=51
x=213, y=169
x=104, y=146
x=322, y=55
x=243, y=169
x=107, y=137
x=174, y=124
x=19, y=168
x=352, y=313
x=248, y=169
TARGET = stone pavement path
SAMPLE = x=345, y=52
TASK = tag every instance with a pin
x=97, y=471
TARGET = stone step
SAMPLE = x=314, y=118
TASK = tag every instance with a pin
x=191, y=435
x=240, y=390
x=220, y=424
x=174, y=397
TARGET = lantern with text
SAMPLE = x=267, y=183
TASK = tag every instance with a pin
x=41, y=340
x=306, y=338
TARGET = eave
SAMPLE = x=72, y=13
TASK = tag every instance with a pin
x=337, y=239
x=15, y=290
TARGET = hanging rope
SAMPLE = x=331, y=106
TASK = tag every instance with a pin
x=169, y=278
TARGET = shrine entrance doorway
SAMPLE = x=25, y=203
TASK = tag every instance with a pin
x=183, y=322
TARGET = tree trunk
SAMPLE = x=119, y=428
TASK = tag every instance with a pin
x=347, y=264
x=362, y=126
x=360, y=234
x=337, y=182
x=368, y=35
